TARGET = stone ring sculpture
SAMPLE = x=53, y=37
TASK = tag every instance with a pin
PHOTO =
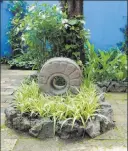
x=59, y=75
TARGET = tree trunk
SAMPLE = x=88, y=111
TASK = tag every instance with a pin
x=75, y=7
x=63, y=4
x=79, y=7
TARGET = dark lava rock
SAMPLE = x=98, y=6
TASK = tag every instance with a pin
x=33, y=76
x=99, y=126
x=8, y=123
x=124, y=83
x=35, y=130
x=102, y=122
x=67, y=132
x=47, y=130
x=42, y=128
x=21, y=123
x=102, y=98
x=106, y=124
x=104, y=89
x=106, y=110
x=105, y=105
x=103, y=83
x=10, y=113
x=113, y=86
x=120, y=89
x=100, y=93
x=93, y=128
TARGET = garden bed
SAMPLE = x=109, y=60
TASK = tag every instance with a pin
x=45, y=127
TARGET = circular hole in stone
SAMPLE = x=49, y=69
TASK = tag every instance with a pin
x=58, y=83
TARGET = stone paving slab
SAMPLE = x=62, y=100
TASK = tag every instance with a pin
x=8, y=144
x=114, y=140
x=6, y=98
x=99, y=149
x=116, y=96
x=120, y=119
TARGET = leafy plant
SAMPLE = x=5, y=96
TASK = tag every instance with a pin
x=18, y=9
x=124, y=45
x=23, y=61
x=105, y=65
x=44, y=32
x=4, y=60
x=45, y=27
x=79, y=107
x=49, y=33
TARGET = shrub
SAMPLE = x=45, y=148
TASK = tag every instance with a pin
x=44, y=31
x=18, y=9
x=23, y=61
x=4, y=60
x=124, y=45
x=49, y=33
x=105, y=65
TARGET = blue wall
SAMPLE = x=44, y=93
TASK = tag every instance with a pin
x=103, y=18
x=5, y=17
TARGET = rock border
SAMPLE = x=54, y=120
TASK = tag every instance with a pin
x=44, y=127
x=113, y=86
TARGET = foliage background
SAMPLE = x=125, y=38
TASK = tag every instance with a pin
x=54, y=35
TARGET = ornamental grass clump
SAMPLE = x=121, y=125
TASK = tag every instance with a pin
x=80, y=107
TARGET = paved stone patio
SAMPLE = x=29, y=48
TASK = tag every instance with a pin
x=114, y=140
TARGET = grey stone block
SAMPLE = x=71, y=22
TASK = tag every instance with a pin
x=103, y=83
x=42, y=128
x=35, y=130
x=106, y=125
x=104, y=89
x=93, y=128
x=47, y=130
x=8, y=123
x=106, y=110
x=101, y=98
x=25, y=124
x=21, y=123
x=33, y=76
x=105, y=104
x=10, y=113
x=17, y=123
x=120, y=89
x=68, y=132
x=113, y=86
